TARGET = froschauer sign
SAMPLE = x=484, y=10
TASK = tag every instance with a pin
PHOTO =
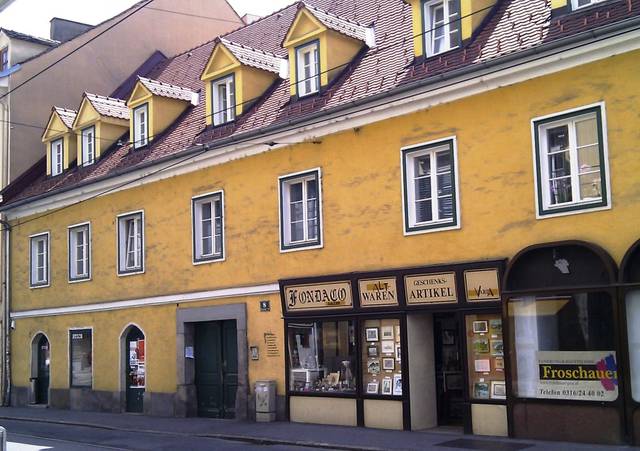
x=329, y=295
x=431, y=288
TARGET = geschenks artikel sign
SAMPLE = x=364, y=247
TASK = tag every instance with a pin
x=431, y=288
x=375, y=292
x=579, y=375
x=325, y=295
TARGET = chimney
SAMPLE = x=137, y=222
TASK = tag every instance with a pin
x=64, y=30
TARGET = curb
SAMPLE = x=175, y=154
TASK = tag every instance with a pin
x=229, y=437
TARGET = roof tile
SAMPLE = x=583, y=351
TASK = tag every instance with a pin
x=108, y=106
x=168, y=90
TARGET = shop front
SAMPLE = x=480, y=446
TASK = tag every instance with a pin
x=564, y=344
x=404, y=349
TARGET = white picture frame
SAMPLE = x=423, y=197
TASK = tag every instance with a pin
x=388, y=347
x=389, y=363
x=498, y=390
x=387, y=332
x=387, y=386
x=397, y=384
x=398, y=353
x=371, y=333
x=373, y=366
x=372, y=388
x=480, y=327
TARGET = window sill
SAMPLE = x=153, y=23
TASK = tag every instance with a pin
x=301, y=247
x=132, y=272
x=585, y=207
x=431, y=228
x=79, y=280
x=41, y=285
x=205, y=260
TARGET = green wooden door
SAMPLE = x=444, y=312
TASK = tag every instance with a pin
x=216, y=359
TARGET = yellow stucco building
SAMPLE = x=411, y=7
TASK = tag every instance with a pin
x=398, y=238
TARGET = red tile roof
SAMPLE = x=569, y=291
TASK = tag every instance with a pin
x=168, y=90
x=511, y=27
x=249, y=56
x=108, y=106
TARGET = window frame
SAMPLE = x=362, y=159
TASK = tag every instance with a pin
x=70, y=355
x=4, y=52
x=543, y=209
x=230, y=81
x=576, y=7
x=428, y=30
x=85, y=161
x=199, y=200
x=136, y=111
x=53, y=151
x=298, y=52
x=121, y=245
x=411, y=227
x=71, y=243
x=286, y=180
x=32, y=238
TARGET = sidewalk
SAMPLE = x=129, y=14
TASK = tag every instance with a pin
x=285, y=433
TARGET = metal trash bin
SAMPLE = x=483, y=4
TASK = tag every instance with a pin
x=265, y=401
x=3, y=439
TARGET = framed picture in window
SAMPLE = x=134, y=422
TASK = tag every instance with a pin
x=372, y=351
x=497, y=348
x=397, y=384
x=388, y=347
x=499, y=363
x=481, y=390
x=388, y=363
x=398, y=353
x=371, y=333
x=372, y=388
x=498, y=390
x=481, y=345
x=387, y=386
x=373, y=366
x=387, y=332
x=480, y=327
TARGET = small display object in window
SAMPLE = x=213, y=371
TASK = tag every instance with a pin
x=333, y=379
x=373, y=366
x=346, y=376
x=481, y=345
x=481, y=390
x=498, y=363
x=397, y=328
x=372, y=388
x=387, y=386
x=398, y=353
x=388, y=364
x=448, y=337
x=498, y=390
x=387, y=332
x=388, y=347
x=497, y=347
x=371, y=333
x=372, y=351
x=496, y=326
x=397, y=384
x=482, y=365
x=480, y=327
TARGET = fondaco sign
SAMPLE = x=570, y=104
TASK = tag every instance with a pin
x=579, y=375
x=328, y=295
x=431, y=288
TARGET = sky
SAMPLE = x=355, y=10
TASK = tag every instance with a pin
x=33, y=16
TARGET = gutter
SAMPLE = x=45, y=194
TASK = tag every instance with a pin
x=5, y=384
x=414, y=88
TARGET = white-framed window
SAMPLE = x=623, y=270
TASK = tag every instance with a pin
x=223, y=98
x=308, y=69
x=208, y=227
x=57, y=156
x=39, y=260
x=141, y=126
x=300, y=210
x=441, y=26
x=571, y=163
x=79, y=252
x=131, y=243
x=576, y=4
x=430, y=186
x=88, y=145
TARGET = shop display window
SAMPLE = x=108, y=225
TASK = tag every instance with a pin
x=563, y=347
x=381, y=357
x=633, y=332
x=137, y=373
x=81, y=358
x=485, y=354
x=322, y=356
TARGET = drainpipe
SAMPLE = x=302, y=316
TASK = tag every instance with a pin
x=6, y=320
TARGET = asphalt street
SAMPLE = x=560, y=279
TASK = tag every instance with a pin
x=36, y=436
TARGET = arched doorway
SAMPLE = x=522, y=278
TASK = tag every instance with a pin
x=40, y=371
x=134, y=369
x=563, y=344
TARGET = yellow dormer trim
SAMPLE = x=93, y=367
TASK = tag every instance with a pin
x=305, y=27
x=107, y=129
x=56, y=129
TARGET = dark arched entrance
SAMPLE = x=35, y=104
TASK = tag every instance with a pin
x=563, y=342
x=135, y=369
x=42, y=362
x=630, y=283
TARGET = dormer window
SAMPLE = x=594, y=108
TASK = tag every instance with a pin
x=57, y=157
x=141, y=126
x=441, y=26
x=88, y=145
x=307, y=69
x=576, y=4
x=223, y=91
x=4, y=59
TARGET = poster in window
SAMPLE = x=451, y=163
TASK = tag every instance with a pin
x=397, y=384
x=577, y=375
